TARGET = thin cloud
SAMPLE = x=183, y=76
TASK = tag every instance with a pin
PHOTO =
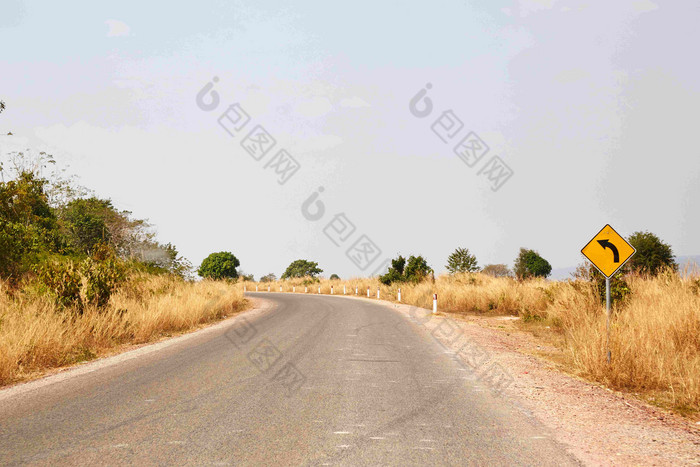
x=117, y=28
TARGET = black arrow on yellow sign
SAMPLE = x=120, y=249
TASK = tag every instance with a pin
x=606, y=244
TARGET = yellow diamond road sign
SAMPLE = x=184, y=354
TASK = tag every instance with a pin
x=608, y=251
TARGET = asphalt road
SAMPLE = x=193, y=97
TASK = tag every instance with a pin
x=316, y=380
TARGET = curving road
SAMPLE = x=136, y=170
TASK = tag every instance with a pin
x=315, y=380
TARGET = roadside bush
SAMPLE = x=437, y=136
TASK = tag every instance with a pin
x=63, y=281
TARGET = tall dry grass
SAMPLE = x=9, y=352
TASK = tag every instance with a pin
x=654, y=338
x=35, y=335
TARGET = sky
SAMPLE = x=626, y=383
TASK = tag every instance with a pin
x=569, y=115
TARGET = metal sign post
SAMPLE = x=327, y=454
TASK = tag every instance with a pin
x=607, y=310
x=608, y=252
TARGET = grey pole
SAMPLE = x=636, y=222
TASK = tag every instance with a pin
x=607, y=309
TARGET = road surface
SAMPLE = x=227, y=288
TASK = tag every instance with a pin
x=316, y=380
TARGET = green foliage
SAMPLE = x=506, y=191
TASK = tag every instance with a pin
x=302, y=268
x=497, y=270
x=268, y=278
x=414, y=270
x=221, y=265
x=529, y=263
x=335, y=277
x=461, y=261
x=85, y=223
x=652, y=256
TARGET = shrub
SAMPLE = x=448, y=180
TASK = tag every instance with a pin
x=102, y=272
x=217, y=266
x=335, y=277
x=63, y=283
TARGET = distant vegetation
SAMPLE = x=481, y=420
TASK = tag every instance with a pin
x=302, y=268
x=497, y=270
x=268, y=278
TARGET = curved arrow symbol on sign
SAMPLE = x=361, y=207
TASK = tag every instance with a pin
x=606, y=244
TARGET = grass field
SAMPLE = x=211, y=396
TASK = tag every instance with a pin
x=655, y=332
x=36, y=336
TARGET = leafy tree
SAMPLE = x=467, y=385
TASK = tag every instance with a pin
x=652, y=256
x=302, y=268
x=529, y=263
x=415, y=269
x=85, y=222
x=335, y=277
x=2, y=106
x=221, y=265
x=268, y=278
x=461, y=261
x=497, y=270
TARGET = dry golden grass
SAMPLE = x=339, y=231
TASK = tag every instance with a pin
x=655, y=333
x=35, y=336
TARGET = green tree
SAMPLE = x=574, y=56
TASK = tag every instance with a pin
x=335, y=277
x=302, y=268
x=415, y=269
x=461, y=261
x=221, y=265
x=497, y=270
x=652, y=256
x=529, y=263
x=85, y=223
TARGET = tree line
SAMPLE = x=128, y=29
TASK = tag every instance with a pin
x=652, y=257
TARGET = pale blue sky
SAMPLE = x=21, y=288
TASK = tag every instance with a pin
x=592, y=104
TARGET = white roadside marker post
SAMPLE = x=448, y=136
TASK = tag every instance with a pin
x=355, y=290
x=294, y=288
x=344, y=292
x=434, y=303
x=331, y=290
x=319, y=290
x=306, y=290
x=367, y=291
x=256, y=288
x=377, y=293
x=399, y=294
x=280, y=288
x=268, y=288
